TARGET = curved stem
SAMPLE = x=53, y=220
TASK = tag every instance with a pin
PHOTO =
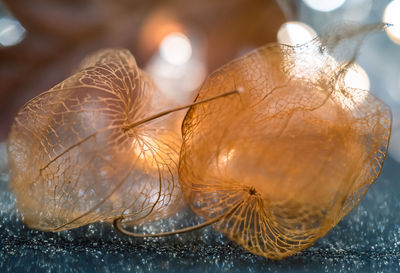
x=126, y=128
x=163, y=113
x=117, y=225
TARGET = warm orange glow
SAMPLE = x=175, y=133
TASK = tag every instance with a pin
x=72, y=160
x=306, y=148
x=156, y=28
x=277, y=148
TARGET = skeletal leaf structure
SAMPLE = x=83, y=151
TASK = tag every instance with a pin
x=74, y=159
x=286, y=159
x=273, y=167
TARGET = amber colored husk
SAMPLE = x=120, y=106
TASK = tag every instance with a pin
x=74, y=162
x=295, y=151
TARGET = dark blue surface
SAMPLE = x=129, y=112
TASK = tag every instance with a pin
x=367, y=240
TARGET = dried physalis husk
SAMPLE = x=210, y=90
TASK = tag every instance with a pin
x=285, y=160
x=77, y=157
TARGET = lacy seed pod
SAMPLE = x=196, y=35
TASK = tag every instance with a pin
x=281, y=163
x=78, y=153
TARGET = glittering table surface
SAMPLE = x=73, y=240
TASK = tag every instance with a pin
x=367, y=240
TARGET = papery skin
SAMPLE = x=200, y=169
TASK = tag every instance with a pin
x=292, y=154
x=72, y=163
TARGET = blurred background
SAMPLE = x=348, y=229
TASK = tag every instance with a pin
x=179, y=42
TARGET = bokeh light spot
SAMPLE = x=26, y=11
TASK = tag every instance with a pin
x=391, y=15
x=176, y=48
x=295, y=33
x=357, y=78
x=324, y=5
x=11, y=32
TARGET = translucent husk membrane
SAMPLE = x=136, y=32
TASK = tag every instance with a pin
x=74, y=160
x=293, y=153
x=274, y=167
